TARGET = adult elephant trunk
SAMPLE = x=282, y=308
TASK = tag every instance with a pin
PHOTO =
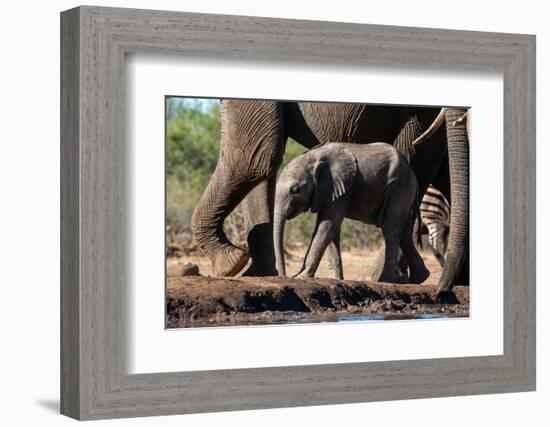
x=251, y=150
x=208, y=218
x=278, y=239
x=458, y=148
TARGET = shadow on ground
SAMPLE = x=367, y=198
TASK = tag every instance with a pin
x=51, y=405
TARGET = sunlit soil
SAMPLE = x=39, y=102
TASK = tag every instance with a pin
x=355, y=262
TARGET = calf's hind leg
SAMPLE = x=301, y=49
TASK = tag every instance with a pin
x=335, y=268
x=417, y=270
x=391, y=272
x=397, y=232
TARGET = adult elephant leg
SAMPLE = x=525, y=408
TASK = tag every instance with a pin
x=258, y=209
x=251, y=149
x=458, y=148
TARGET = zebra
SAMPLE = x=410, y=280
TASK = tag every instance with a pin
x=435, y=213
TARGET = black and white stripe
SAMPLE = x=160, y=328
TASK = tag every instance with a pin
x=435, y=212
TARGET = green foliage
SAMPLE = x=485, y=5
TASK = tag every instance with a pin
x=192, y=146
x=292, y=149
x=193, y=141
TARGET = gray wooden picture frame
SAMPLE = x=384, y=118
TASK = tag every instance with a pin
x=94, y=382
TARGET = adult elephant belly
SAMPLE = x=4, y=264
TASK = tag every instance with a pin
x=312, y=123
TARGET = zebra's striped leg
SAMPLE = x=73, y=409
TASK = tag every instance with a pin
x=436, y=236
x=436, y=214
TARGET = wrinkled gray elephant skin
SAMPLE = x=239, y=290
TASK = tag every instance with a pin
x=253, y=140
x=370, y=183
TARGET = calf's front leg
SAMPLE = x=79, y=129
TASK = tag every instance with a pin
x=326, y=229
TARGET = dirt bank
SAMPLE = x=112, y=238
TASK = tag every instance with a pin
x=206, y=301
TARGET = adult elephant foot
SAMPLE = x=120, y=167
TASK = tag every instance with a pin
x=228, y=261
x=257, y=268
x=260, y=267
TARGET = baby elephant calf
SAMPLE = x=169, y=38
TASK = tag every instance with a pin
x=371, y=183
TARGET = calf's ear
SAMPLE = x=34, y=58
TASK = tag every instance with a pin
x=333, y=174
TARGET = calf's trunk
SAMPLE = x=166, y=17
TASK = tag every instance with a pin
x=278, y=240
x=219, y=199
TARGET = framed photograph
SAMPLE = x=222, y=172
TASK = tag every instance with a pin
x=261, y=213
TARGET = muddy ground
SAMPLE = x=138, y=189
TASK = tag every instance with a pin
x=194, y=301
